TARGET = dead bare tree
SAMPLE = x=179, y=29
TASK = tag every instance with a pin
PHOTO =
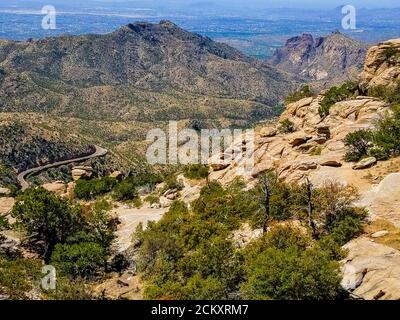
x=310, y=208
x=266, y=189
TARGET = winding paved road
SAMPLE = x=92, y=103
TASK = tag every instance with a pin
x=100, y=152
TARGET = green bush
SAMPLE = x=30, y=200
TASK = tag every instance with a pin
x=359, y=143
x=90, y=189
x=83, y=260
x=196, y=171
x=292, y=274
x=337, y=94
x=348, y=228
x=386, y=93
x=304, y=92
x=382, y=143
x=63, y=233
x=171, y=183
x=125, y=190
x=3, y=223
x=68, y=289
x=286, y=126
x=119, y=263
x=18, y=277
x=392, y=55
x=47, y=218
x=387, y=137
x=152, y=199
x=98, y=226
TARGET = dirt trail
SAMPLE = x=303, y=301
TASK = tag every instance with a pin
x=130, y=219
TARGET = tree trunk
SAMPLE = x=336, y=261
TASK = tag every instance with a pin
x=310, y=210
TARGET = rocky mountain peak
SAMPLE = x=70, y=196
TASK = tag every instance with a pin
x=323, y=61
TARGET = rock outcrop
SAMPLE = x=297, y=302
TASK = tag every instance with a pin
x=371, y=270
x=316, y=150
x=6, y=205
x=58, y=187
x=382, y=65
x=80, y=172
x=383, y=201
x=365, y=163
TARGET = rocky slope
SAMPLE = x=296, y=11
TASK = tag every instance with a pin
x=142, y=71
x=316, y=151
x=323, y=61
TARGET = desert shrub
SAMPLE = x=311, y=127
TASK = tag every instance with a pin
x=387, y=135
x=382, y=143
x=4, y=225
x=185, y=253
x=335, y=212
x=286, y=236
x=18, y=277
x=285, y=200
x=90, y=189
x=125, y=190
x=83, y=260
x=149, y=179
x=98, y=226
x=286, y=126
x=390, y=94
x=196, y=171
x=119, y=263
x=292, y=274
x=337, y=94
x=392, y=55
x=304, y=92
x=347, y=228
x=152, y=199
x=171, y=183
x=47, y=218
x=8, y=177
x=68, y=289
x=77, y=242
x=359, y=143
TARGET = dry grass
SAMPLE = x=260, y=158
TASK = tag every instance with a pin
x=390, y=240
x=381, y=170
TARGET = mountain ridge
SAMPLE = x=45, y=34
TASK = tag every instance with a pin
x=158, y=59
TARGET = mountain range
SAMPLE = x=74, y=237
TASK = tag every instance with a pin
x=111, y=89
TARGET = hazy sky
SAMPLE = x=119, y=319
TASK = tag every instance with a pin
x=317, y=4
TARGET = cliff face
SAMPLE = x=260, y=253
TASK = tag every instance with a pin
x=323, y=61
x=382, y=65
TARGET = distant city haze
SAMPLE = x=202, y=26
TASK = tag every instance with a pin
x=218, y=4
